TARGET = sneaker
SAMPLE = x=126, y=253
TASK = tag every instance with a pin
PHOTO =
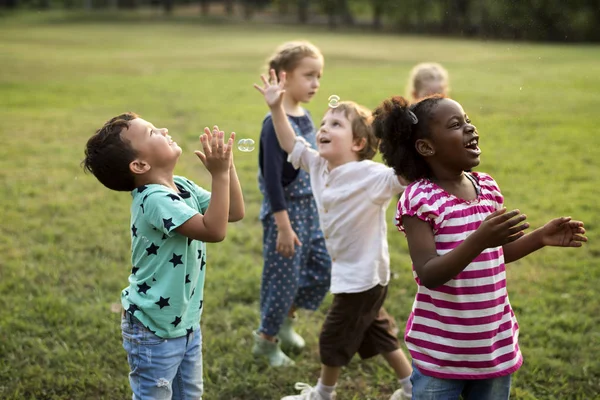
x=400, y=394
x=307, y=393
x=271, y=350
x=290, y=340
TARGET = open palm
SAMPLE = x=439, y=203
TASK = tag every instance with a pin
x=563, y=232
x=271, y=90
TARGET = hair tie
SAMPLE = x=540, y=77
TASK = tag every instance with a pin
x=413, y=117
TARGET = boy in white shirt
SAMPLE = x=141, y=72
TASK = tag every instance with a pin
x=352, y=193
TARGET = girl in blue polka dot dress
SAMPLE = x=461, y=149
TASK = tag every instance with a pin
x=297, y=268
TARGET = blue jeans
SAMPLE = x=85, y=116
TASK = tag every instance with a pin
x=162, y=368
x=430, y=388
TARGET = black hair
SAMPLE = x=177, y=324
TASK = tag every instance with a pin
x=108, y=155
x=398, y=125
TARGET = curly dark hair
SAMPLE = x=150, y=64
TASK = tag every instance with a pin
x=398, y=131
x=108, y=155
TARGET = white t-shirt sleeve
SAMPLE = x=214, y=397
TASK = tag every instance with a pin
x=384, y=184
x=303, y=155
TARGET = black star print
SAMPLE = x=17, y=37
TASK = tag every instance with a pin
x=144, y=199
x=132, y=309
x=193, y=291
x=187, y=278
x=176, y=260
x=164, y=236
x=189, y=331
x=142, y=205
x=201, y=301
x=133, y=230
x=134, y=269
x=127, y=293
x=199, y=254
x=189, y=183
x=142, y=188
x=190, y=240
x=143, y=288
x=176, y=321
x=163, y=302
x=152, y=249
x=168, y=223
x=174, y=197
x=153, y=279
x=202, y=264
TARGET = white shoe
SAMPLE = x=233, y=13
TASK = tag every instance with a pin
x=400, y=394
x=307, y=393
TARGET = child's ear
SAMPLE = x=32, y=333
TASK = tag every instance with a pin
x=139, y=167
x=359, y=144
x=424, y=147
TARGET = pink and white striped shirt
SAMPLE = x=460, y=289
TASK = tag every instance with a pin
x=466, y=328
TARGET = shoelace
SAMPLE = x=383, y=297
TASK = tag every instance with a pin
x=303, y=387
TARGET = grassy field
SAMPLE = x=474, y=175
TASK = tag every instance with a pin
x=64, y=239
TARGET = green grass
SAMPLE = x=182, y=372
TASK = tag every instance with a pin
x=64, y=239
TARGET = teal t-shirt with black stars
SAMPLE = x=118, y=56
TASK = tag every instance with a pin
x=166, y=284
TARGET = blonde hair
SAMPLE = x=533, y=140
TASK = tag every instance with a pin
x=361, y=119
x=423, y=74
x=288, y=55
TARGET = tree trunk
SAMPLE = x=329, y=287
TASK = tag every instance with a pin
x=248, y=10
x=303, y=11
x=347, y=16
x=229, y=7
x=168, y=6
x=204, y=7
x=377, y=14
x=283, y=7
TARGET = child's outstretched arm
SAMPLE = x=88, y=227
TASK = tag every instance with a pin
x=237, y=209
x=433, y=270
x=212, y=226
x=273, y=93
x=560, y=232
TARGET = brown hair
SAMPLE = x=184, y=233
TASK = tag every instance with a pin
x=108, y=155
x=423, y=73
x=360, y=119
x=288, y=56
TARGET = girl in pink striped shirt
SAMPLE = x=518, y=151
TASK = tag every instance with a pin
x=462, y=333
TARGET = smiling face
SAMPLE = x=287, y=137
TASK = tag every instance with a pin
x=154, y=147
x=335, y=139
x=453, y=143
x=303, y=82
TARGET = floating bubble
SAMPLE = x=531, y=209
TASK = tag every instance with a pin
x=334, y=100
x=246, y=145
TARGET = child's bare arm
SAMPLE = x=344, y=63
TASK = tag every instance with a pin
x=273, y=93
x=212, y=226
x=236, y=205
x=561, y=232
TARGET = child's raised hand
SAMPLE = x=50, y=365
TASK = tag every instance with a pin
x=271, y=90
x=501, y=227
x=563, y=232
x=217, y=154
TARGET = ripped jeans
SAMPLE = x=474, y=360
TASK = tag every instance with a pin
x=162, y=369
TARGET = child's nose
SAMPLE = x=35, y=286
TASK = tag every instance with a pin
x=164, y=131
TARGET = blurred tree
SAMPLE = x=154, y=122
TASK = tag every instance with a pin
x=204, y=7
x=229, y=6
x=303, y=6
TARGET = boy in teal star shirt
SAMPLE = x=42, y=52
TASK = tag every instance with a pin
x=171, y=220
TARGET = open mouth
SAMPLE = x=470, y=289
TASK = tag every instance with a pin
x=473, y=146
x=324, y=141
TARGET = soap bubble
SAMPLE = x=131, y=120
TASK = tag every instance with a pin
x=334, y=100
x=246, y=145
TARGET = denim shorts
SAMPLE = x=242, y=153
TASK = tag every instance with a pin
x=430, y=388
x=162, y=368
